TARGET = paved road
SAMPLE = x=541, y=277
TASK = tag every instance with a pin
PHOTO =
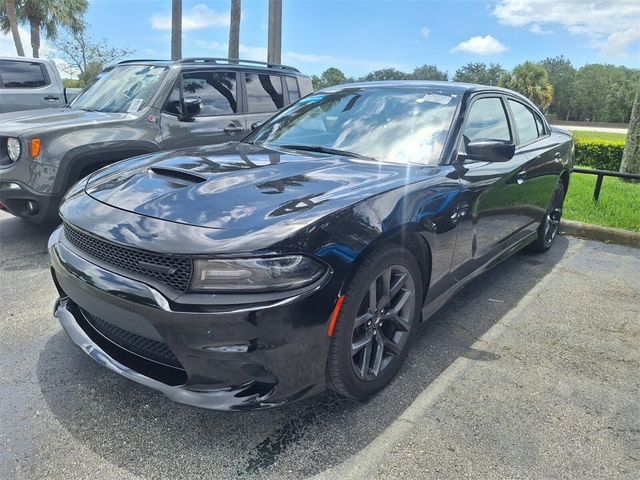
x=531, y=371
x=593, y=129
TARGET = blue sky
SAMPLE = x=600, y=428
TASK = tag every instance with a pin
x=358, y=36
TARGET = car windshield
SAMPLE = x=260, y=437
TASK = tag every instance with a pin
x=400, y=125
x=121, y=89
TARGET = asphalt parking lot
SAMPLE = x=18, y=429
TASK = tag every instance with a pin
x=531, y=371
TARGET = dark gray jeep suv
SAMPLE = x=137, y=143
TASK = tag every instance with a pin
x=133, y=108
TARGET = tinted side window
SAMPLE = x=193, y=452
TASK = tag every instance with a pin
x=525, y=122
x=217, y=90
x=264, y=92
x=22, y=74
x=292, y=87
x=540, y=124
x=487, y=120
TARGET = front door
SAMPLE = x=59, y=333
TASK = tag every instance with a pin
x=491, y=217
x=219, y=120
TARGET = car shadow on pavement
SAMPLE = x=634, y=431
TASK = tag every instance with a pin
x=140, y=431
x=24, y=244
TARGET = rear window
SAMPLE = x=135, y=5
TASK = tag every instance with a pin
x=264, y=92
x=292, y=88
x=15, y=74
x=525, y=122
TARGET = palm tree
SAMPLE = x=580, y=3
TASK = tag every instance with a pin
x=176, y=29
x=532, y=81
x=49, y=16
x=631, y=153
x=9, y=23
x=234, y=31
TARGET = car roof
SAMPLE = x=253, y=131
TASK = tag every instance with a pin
x=454, y=88
x=211, y=62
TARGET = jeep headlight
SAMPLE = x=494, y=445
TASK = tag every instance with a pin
x=264, y=274
x=13, y=149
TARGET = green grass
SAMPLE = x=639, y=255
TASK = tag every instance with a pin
x=618, y=205
x=584, y=135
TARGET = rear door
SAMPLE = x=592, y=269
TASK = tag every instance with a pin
x=265, y=94
x=541, y=169
x=220, y=119
x=26, y=85
x=490, y=213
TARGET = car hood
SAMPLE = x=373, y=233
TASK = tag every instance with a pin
x=28, y=121
x=239, y=185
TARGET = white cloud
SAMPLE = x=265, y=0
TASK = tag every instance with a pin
x=608, y=25
x=478, y=45
x=538, y=30
x=425, y=32
x=197, y=18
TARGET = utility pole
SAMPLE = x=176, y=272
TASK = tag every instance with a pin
x=176, y=29
x=234, y=31
x=274, y=50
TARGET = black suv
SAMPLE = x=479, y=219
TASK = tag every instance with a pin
x=134, y=108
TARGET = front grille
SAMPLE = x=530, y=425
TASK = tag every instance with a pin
x=145, y=347
x=172, y=270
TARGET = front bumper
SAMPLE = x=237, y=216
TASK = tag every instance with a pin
x=229, y=357
x=14, y=198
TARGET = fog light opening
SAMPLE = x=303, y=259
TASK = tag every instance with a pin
x=32, y=207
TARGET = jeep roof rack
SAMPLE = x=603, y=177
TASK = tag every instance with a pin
x=141, y=60
x=235, y=62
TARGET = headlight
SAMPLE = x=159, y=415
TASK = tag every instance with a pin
x=255, y=274
x=13, y=148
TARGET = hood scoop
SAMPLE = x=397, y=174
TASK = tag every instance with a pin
x=178, y=174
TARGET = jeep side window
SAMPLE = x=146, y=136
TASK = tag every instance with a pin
x=292, y=87
x=217, y=90
x=264, y=92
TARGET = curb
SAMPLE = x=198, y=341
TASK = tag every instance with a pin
x=601, y=234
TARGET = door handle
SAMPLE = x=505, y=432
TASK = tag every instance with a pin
x=233, y=129
x=521, y=177
x=558, y=156
x=51, y=97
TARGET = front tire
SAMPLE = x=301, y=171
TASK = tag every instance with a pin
x=377, y=320
x=549, y=227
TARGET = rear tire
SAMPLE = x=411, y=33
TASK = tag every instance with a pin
x=376, y=323
x=548, y=229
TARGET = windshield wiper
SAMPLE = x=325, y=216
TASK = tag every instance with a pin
x=321, y=149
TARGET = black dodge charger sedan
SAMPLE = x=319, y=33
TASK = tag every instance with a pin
x=255, y=273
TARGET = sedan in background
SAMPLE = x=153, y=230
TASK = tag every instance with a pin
x=255, y=273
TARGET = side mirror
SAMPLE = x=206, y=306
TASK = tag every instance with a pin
x=490, y=150
x=255, y=125
x=191, y=106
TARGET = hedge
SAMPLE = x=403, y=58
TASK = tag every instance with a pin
x=600, y=154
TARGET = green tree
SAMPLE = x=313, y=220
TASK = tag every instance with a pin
x=48, y=16
x=562, y=76
x=480, y=73
x=86, y=57
x=9, y=23
x=532, y=81
x=331, y=76
x=631, y=154
x=428, y=72
x=385, y=74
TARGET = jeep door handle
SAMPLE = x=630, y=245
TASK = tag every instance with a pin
x=521, y=177
x=233, y=129
x=51, y=97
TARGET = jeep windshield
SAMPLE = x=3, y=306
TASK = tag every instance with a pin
x=121, y=89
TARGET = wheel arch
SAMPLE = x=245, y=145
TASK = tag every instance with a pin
x=409, y=236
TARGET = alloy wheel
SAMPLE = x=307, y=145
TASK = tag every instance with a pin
x=383, y=322
x=552, y=221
